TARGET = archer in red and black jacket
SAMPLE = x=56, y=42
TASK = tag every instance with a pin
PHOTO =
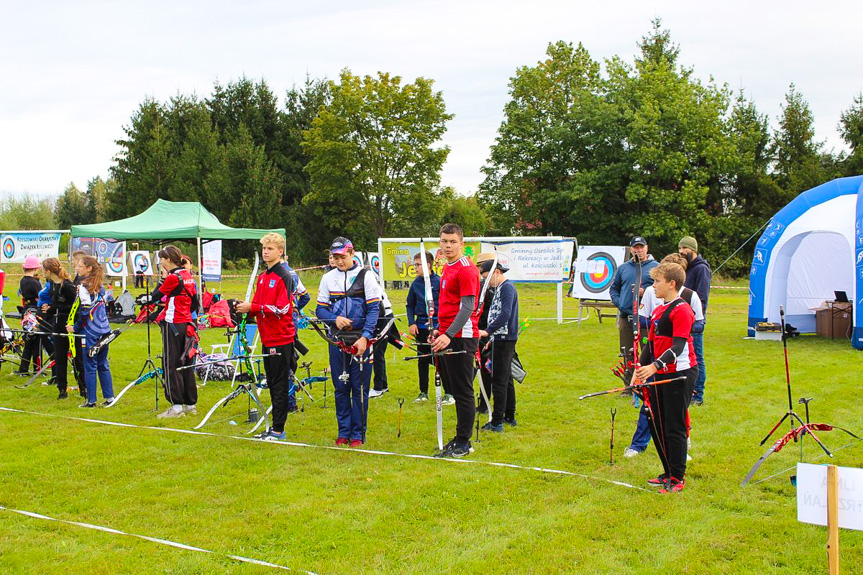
x=272, y=307
x=669, y=353
x=178, y=332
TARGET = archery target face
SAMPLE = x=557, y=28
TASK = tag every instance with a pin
x=142, y=263
x=358, y=260
x=376, y=264
x=115, y=264
x=598, y=282
x=9, y=248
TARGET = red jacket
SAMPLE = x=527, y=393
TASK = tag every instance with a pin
x=273, y=306
x=179, y=288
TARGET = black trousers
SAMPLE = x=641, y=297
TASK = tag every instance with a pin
x=669, y=403
x=457, y=373
x=502, y=386
x=279, y=370
x=380, y=364
x=180, y=388
x=484, y=375
x=61, y=365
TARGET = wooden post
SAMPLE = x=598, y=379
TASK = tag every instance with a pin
x=832, y=520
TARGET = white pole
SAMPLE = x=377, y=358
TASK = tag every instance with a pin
x=200, y=271
x=560, y=302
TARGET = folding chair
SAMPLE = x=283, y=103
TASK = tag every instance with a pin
x=236, y=349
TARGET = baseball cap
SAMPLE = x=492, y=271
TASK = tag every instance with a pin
x=341, y=245
x=637, y=240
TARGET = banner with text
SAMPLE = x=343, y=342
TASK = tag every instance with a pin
x=17, y=246
x=397, y=258
x=594, y=269
x=534, y=261
x=211, y=256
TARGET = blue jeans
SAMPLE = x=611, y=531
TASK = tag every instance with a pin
x=351, y=409
x=698, y=344
x=641, y=437
x=94, y=366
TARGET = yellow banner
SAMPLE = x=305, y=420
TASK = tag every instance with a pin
x=397, y=258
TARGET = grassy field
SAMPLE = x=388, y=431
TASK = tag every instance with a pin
x=308, y=506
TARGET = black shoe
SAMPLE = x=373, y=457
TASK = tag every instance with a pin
x=22, y=373
x=293, y=409
x=492, y=427
x=456, y=449
x=63, y=395
x=510, y=421
x=88, y=404
x=107, y=402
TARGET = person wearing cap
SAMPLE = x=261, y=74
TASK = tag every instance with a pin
x=272, y=307
x=349, y=303
x=502, y=332
x=622, y=291
x=458, y=332
x=29, y=289
x=698, y=276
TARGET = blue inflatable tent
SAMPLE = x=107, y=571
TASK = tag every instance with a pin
x=811, y=248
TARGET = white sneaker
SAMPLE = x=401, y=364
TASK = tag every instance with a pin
x=630, y=452
x=447, y=399
x=688, y=457
x=190, y=409
x=377, y=393
x=171, y=413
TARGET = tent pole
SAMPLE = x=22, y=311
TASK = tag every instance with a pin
x=200, y=271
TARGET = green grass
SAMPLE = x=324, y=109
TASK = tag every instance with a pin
x=337, y=511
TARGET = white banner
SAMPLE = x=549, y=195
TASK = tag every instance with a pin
x=18, y=245
x=211, y=254
x=537, y=261
x=594, y=269
x=139, y=261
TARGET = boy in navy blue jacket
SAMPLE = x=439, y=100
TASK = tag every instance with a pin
x=349, y=303
x=418, y=322
x=502, y=331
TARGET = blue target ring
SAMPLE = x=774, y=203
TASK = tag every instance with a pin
x=141, y=263
x=599, y=282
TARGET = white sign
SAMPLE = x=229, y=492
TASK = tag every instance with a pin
x=17, y=246
x=211, y=254
x=594, y=269
x=812, y=495
x=543, y=261
x=139, y=261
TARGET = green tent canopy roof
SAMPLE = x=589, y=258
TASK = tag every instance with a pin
x=166, y=220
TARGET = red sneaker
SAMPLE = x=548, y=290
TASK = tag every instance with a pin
x=341, y=442
x=674, y=485
x=356, y=443
x=658, y=481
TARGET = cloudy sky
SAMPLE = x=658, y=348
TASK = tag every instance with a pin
x=72, y=72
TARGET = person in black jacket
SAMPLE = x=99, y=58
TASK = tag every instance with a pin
x=502, y=332
x=418, y=320
x=29, y=289
x=63, y=294
x=698, y=276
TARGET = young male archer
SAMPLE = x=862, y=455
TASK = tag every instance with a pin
x=458, y=332
x=669, y=352
x=272, y=307
x=349, y=303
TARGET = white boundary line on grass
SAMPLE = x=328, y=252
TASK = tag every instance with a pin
x=339, y=449
x=151, y=539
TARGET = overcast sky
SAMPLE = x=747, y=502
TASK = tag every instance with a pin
x=72, y=73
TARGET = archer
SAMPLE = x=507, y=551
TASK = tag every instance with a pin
x=272, y=306
x=669, y=350
x=349, y=303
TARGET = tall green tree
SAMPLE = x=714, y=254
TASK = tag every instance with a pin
x=97, y=200
x=375, y=156
x=851, y=130
x=72, y=208
x=796, y=152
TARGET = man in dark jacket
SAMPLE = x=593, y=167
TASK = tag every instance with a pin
x=418, y=321
x=698, y=276
x=622, y=288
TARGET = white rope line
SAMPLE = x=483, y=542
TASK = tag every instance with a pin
x=340, y=449
x=158, y=540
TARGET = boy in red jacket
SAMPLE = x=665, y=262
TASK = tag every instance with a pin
x=272, y=308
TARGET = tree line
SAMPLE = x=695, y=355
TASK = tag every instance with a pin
x=594, y=150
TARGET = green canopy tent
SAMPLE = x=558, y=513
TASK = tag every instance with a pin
x=167, y=221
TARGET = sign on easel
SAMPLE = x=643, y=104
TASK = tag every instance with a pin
x=831, y=496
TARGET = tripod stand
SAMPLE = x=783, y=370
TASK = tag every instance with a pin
x=790, y=414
